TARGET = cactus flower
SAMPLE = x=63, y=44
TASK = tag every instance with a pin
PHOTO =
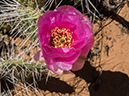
x=65, y=37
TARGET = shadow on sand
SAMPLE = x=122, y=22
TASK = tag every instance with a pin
x=107, y=84
x=55, y=85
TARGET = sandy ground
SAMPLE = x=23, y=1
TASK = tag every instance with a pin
x=108, y=74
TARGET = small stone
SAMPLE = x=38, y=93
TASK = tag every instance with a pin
x=97, y=51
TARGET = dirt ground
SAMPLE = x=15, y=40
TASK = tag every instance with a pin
x=108, y=73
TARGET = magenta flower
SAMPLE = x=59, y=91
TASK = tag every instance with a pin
x=65, y=37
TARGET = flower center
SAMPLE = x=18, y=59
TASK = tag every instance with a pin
x=61, y=38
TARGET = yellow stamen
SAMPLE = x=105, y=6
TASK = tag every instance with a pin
x=61, y=38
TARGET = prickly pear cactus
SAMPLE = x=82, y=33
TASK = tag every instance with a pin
x=18, y=44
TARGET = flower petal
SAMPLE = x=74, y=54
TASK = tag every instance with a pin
x=52, y=52
x=88, y=22
x=69, y=10
x=79, y=63
x=88, y=45
x=55, y=69
x=38, y=56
